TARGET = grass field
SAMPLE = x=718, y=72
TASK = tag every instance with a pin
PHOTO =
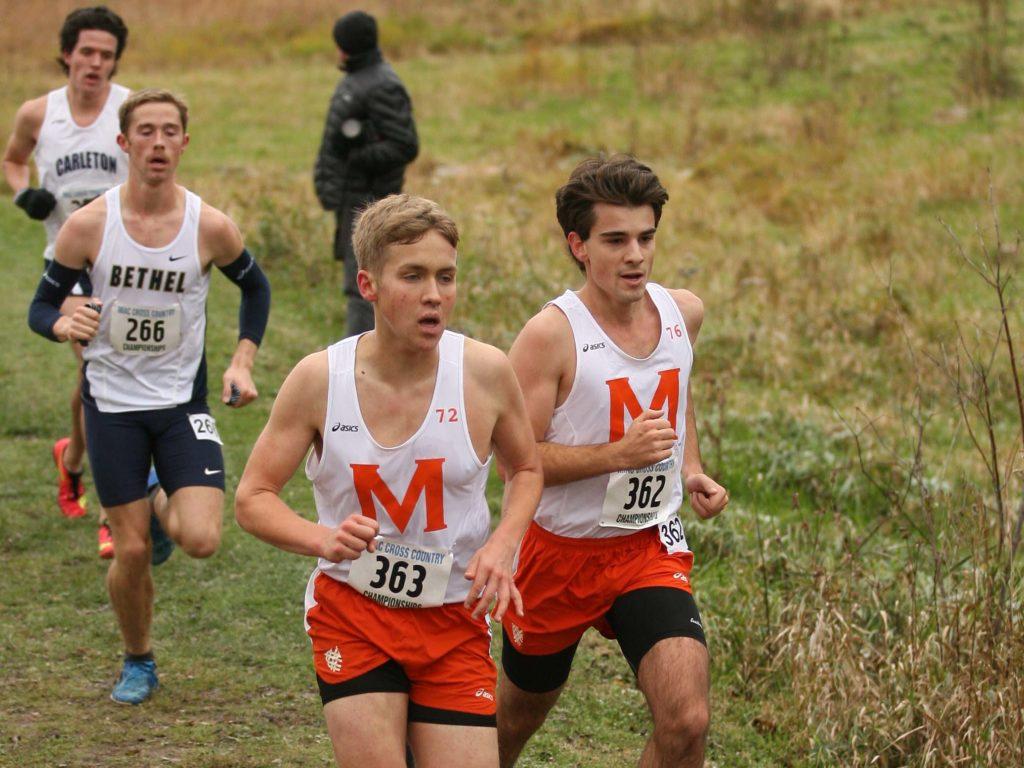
x=862, y=594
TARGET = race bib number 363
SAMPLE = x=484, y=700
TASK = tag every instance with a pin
x=638, y=498
x=144, y=330
x=400, y=575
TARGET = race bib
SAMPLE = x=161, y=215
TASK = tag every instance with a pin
x=71, y=200
x=205, y=427
x=671, y=534
x=400, y=575
x=145, y=330
x=638, y=498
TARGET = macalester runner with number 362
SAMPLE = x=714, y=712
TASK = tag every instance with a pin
x=605, y=373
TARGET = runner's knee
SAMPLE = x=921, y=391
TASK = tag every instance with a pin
x=517, y=712
x=681, y=730
x=131, y=551
x=199, y=544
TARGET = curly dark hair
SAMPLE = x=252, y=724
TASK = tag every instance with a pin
x=98, y=17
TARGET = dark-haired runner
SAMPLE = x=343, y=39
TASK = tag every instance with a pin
x=604, y=372
x=71, y=134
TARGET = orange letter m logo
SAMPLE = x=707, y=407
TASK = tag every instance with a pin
x=427, y=480
x=623, y=398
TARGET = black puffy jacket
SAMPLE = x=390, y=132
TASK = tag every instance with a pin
x=369, y=136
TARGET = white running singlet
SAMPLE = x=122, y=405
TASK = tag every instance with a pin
x=78, y=163
x=427, y=494
x=152, y=333
x=610, y=389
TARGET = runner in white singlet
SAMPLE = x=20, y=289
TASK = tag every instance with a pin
x=150, y=245
x=71, y=135
x=605, y=374
x=401, y=421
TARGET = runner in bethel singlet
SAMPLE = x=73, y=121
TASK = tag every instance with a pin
x=605, y=373
x=149, y=245
x=402, y=421
x=71, y=135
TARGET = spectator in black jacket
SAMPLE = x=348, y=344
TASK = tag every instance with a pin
x=369, y=139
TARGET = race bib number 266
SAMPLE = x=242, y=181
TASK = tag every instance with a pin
x=144, y=330
x=205, y=427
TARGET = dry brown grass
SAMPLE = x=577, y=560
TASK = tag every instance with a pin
x=805, y=189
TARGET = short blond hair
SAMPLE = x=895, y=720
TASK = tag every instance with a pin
x=398, y=219
x=150, y=96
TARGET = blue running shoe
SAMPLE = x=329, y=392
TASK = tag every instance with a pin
x=162, y=544
x=136, y=684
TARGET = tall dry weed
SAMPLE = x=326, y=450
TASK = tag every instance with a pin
x=907, y=649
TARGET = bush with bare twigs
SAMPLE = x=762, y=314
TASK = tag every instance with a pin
x=908, y=648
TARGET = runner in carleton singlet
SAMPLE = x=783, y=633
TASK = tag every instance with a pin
x=78, y=163
x=70, y=134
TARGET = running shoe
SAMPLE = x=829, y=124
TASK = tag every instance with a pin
x=70, y=488
x=162, y=544
x=136, y=684
x=106, y=542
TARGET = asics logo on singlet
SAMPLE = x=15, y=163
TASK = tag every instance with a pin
x=482, y=694
x=339, y=427
x=680, y=577
x=595, y=345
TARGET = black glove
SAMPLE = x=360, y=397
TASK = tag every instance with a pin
x=37, y=203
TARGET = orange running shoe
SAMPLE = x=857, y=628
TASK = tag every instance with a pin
x=106, y=542
x=70, y=488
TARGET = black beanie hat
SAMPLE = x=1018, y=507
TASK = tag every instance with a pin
x=356, y=32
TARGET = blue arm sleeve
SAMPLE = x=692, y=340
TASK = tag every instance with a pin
x=54, y=287
x=255, y=308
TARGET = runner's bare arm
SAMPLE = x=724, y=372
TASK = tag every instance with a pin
x=295, y=424
x=491, y=568
x=27, y=122
x=221, y=244
x=707, y=497
x=543, y=357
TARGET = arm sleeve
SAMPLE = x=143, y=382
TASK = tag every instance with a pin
x=254, y=310
x=389, y=110
x=54, y=286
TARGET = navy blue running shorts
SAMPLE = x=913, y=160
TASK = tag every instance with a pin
x=181, y=442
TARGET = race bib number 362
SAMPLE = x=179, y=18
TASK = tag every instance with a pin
x=400, y=575
x=639, y=498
